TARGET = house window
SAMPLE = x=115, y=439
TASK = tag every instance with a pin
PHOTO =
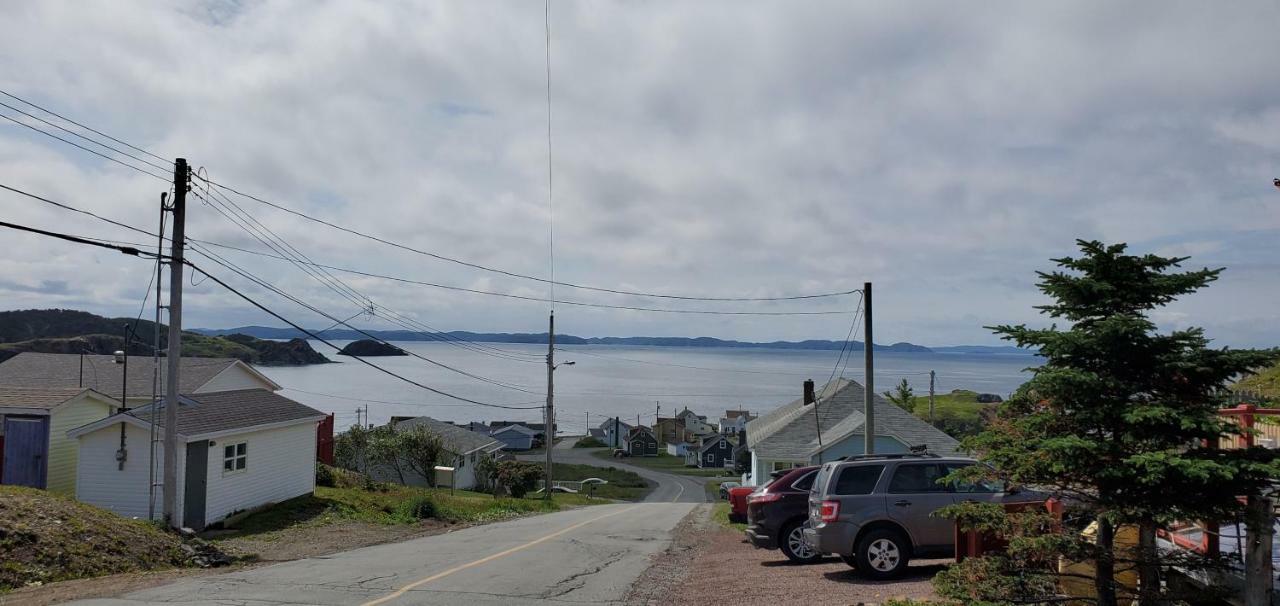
x=711, y=457
x=235, y=457
x=781, y=465
x=722, y=443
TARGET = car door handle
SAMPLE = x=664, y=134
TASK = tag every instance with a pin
x=902, y=503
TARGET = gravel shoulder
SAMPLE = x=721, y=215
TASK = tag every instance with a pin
x=706, y=559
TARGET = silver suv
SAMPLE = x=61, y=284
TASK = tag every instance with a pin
x=876, y=511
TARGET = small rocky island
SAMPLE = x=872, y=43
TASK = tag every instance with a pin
x=369, y=348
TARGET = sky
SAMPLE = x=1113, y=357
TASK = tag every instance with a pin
x=944, y=151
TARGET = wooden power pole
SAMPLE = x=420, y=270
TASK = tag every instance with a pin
x=869, y=388
x=549, y=431
x=173, y=355
x=932, y=376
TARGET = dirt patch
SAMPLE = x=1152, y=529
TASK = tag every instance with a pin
x=308, y=542
x=706, y=559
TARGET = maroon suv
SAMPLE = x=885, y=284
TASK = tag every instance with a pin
x=776, y=515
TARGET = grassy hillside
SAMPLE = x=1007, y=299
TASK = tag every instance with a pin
x=72, y=331
x=958, y=413
x=46, y=537
x=1266, y=383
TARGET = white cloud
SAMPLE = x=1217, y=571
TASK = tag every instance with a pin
x=943, y=150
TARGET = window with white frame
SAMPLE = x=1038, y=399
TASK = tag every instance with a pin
x=235, y=457
x=711, y=457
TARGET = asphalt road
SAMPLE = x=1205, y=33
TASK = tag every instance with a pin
x=590, y=555
x=672, y=488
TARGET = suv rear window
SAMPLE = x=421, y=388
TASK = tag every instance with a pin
x=858, y=479
x=805, y=482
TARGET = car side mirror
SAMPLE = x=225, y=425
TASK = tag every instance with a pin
x=1012, y=489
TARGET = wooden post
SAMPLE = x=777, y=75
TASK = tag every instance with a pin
x=1260, y=532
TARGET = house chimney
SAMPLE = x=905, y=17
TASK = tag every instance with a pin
x=119, y=356
x=809, y=397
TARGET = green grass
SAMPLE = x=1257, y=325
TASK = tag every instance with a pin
x=667, y=463
x=957, y=413
x=395, y=504
x=623, y=485
x=720, y=513
x=589, y=442
x=1266, y=383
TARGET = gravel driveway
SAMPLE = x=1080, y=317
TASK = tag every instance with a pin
x=708, y=560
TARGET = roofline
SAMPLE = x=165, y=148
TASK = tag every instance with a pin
x=124, y=417
x=119, y=417
x=252, y=371
x=39, y=412
x=252, y=428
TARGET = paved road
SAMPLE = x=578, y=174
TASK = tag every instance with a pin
x=590, y=555
x=672, y=488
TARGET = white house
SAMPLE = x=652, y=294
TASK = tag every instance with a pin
x=785, y=437
x=105, y=374
x=734, y=422
x=514, y=437
x=463, y=449
x=240, y=449
x=695, y=422
x=678, y=449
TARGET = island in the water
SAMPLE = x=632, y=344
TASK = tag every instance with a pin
x=73, y=332
x=365, y=348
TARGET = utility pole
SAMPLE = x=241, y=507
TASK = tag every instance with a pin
x=932, y=376
x=588, y=430
x=811, y=398
x=869, y=388
x=549, y=431
x=657, y=411
x=616, y=423
x=174, y=352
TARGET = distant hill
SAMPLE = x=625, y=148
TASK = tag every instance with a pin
x=984, y=349
x=267, y=332
x=367, y=348
x=72, y=331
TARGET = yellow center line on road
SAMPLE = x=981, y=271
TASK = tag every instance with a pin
x=440, y=575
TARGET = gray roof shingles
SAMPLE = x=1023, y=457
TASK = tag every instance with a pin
x=218, y=411
x=456, y=439
x=34, y=397
x=787, y=432
x=103, y=374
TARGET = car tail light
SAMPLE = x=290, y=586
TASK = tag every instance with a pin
x=764, y=497
x=830, y=511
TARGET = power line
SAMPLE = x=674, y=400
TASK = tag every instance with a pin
x=390, y=402
x=510, y=273
x=74, y=144
x=77, y=210
x=90, y=129
x=277, y=316
x=91, y=140
x=128, y=250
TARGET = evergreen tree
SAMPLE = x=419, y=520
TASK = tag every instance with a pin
x=902, y=395
x=1120, y=420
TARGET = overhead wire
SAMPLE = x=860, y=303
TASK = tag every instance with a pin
x=88, y=128
x=92, y=151
x=91, y=140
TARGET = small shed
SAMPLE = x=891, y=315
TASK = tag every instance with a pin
x=239, y=450
x=715, y=451
x=34, y=448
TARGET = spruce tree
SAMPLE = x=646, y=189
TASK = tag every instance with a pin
x=1119, y=420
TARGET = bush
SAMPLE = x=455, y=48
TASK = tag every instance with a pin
x=589, y=442
x=519, y=477
x=419, y=507
x=324, y=475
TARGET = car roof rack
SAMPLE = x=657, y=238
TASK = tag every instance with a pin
x=895, y=455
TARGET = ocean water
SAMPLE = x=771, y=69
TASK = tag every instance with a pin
x=612, y=380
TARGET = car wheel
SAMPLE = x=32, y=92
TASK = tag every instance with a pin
x=791, y=542
x=882, y=554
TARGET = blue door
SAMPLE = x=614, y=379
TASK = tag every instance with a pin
x=26, y=451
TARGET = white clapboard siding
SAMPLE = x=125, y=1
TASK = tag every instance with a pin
x=100, y=482
x=280, y=466
x=232, y=378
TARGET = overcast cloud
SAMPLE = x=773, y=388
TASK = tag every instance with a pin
x=943, y=150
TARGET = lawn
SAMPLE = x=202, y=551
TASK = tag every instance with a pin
x=667, y=463
x=1265, y=383
x=622, y=484
x=395, y=504
x=958, y=413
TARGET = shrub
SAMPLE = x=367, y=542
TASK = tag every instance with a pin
x=419, y=507
x=519, y=477
x=589, y=442
x=324, y=475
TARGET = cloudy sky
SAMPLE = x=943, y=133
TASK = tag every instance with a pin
x=942, y=150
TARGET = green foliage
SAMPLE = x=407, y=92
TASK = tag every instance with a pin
x=902, y=395
x=1265, y=382
x=324, y=475
x=1115, y=418
x=421, y=450
x=519, y=477
x=622, y=484
x=418, y=507
x=385, y=448
x=486, y=472
x=589, y=442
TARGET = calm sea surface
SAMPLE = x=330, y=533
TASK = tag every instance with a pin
x=609, y=380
